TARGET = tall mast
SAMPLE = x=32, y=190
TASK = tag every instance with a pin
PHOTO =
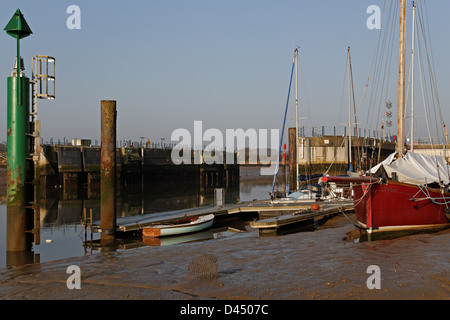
x=401, y=81
x=412, y=75
x=296, y=116
x=349, y=112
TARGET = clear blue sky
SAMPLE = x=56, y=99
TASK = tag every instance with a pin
x=227, y=63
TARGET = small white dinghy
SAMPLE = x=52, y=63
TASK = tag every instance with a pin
x=180, y=226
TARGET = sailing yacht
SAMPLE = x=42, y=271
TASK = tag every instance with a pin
x=407, y=190
x=309, y=192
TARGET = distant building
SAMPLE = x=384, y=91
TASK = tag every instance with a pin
x=81, y=142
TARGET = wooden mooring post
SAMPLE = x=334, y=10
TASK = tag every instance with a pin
x=108, y=170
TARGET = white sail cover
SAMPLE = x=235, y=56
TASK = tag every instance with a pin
x=415, y=168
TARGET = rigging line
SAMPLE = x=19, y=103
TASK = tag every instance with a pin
x=386, y=36
x=429, y=34
x=423, y=95
x=374, y=59
x=409, y=99
x=425, y=191
x=431, y=71
x=389, y=64
x=341, y=209
x=282, y=132
x=354, y=111
x=387, y=54
x=357, y=201
x=342, y=94
x=362, y=97
x=432, y=67
x=305, y=91
x=432, y=78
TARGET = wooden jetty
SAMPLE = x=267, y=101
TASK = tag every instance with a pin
x=263, y=207
x=301, y=216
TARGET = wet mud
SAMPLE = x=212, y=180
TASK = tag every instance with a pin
x=328, y=263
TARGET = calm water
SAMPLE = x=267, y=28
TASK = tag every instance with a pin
x=62, y=234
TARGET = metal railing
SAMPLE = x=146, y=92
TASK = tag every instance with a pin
x=322, y=131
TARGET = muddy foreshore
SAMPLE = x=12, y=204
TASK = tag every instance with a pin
x=321, y=264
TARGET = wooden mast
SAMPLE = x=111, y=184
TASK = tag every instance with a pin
x=297, y=187
x=401, y=81
x=350, y=160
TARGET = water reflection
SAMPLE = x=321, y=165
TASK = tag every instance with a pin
x=62, y=212
x=63, y=236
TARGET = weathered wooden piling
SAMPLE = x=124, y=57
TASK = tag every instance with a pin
x=108, y=170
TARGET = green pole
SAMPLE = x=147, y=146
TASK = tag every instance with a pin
x=17, y=129
x=17, y=145
x=17, y=151
x=19, y=71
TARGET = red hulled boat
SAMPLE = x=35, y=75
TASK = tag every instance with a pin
x=396, y=206
x=387, y=205
x=414, y=190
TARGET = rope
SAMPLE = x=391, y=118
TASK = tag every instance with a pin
x=342, y=211
x=355, y=202
x=425, y=191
